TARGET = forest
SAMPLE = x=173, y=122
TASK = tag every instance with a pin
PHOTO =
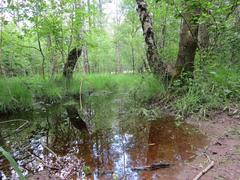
x=119, y=89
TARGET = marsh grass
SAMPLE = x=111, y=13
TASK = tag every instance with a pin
x=211, y=89
x=19, y=93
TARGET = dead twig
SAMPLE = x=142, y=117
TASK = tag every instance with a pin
x=43, y=163
x=204, y=171
x=13, y=120
x=50, y=151
x=58, y=160
x=20, y=127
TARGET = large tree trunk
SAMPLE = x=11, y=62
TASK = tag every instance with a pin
x=188, y=43
x=156, y=64
x=69, y=66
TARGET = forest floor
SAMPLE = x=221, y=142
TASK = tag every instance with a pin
x=223, y=132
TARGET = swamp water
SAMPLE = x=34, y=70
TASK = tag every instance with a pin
x=103, y=140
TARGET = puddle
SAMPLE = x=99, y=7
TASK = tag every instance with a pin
x=102, y=141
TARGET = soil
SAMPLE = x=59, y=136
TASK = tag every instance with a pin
x=223, y=132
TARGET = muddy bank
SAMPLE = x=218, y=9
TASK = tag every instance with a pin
x=223, y=132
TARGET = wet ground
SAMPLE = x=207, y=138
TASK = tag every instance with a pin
x=105, y=139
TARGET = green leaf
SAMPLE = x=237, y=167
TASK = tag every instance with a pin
x=13, y=163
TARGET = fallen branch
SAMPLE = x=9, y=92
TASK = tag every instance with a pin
x=12, y=120
x=152, y=167
x=204, y=171
x=19, y=129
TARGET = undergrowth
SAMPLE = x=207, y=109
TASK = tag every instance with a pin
x=211, y=90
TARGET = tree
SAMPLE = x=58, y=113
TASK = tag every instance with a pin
x=72, y=58
x=187, y=46
x=156, y=64
x=188, y=38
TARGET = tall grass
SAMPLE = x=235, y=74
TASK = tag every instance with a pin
x=210, y=89
x=14, y=95
x=19, y=93
x=214, y=89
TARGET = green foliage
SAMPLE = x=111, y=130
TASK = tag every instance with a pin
x=61, y=26
x=207, y=91
x=14, y=95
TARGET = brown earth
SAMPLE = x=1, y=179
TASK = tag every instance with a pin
x=223, y=132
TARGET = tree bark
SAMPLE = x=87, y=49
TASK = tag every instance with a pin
x=203, y=36
x=42, y=54
x=188, y=43
x=69, y=66
x=86, y=66
x=156, y=64
x=133, y=58
x=118, y=58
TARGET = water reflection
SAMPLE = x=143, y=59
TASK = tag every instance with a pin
x=76, y=119
x=104, y=138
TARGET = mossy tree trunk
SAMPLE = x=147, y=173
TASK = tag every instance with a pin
x=156, y=64
x=187, y=46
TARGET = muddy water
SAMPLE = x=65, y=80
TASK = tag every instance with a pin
x=103, y=140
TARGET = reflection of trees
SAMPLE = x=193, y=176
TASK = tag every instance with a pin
x=168, y=142
x=137, y=144
x=75, y=138
x=103, y=153
x=75, y=119
x=2, y=141
x=160, y=140
x=104, y=111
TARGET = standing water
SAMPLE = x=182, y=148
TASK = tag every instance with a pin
x=103, y=140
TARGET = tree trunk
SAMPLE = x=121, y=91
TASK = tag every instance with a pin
x=42, y=54
x=203, y=36
x=188, y=43
x=118, y=59
x=86, y=66
x=156, y=64
x=69, y=66
x=163, y=35
x=133, y=58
